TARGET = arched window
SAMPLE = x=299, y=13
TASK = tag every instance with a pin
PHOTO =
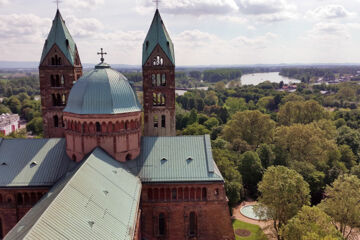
x=26, y=198
x=156, y=194
x=186, y=194
x=162, y=194
x=204, y=194
x=126, y=125
x=192, y=224
x=158, y=79
x=162, y=99
x=56, y=121
x=163, y=80
x=53, y=61
x=63, y=100
x=98, y=127
x=20, y=200
x=198, y=194
x=54, y=100
x=1, y=199
x=52, y=80
x=162, y=224
x=156, y=121
x=173, y=194
x=57, y=82
x=163, y=121
x=62, y=80
x=192, y=194
x=180, y=194
x=128, y=157
x=74, y=157
x=168, y=194
x=153, y=79
x=150, y=194
x=155, y=99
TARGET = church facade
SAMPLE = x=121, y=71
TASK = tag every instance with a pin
x=103, y=172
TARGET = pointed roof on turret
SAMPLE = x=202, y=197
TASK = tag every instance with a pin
x=60, y=35
x=158, y=35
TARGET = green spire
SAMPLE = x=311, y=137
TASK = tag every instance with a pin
x=158, y=35
x=60, y=35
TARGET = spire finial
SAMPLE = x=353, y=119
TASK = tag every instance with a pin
x=102, y=53
x=157, y=3
x=57, y=3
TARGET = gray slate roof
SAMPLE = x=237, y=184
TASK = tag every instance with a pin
x=176, y=159
x=98, y=200
x=32, y=162
x=102, y=91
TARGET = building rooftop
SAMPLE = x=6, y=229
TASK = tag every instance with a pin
x=60, y=35
x=158, y=35
x=32, y=162
x=98, y=200
x=102, y=91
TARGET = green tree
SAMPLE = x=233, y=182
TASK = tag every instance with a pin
x=14, y=104
x=282, y=192
x=350, y=137
x=266, y=155
x=234, y=105
x=310, y=222
x=301, y=112
x=4, y=109
x=211, y=123
x=355, y=170
x=347, y=156
x=342, y=203
x=251, y=170
x=195, y=129
x=253, y=127
x=35, y=126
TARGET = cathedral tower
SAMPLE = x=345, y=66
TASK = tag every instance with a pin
x=59, y=68
x=158, y=64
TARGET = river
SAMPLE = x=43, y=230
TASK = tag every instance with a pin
x=255, y=79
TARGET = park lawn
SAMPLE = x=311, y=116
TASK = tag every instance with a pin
x=256, y=232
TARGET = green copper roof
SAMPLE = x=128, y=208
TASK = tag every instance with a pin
x=58, y=35
x=32, y=162
x=175, y=159
x=102, y=91
x=98, y=200
x=158, y=35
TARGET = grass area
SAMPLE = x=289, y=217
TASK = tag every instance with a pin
x=256, y=232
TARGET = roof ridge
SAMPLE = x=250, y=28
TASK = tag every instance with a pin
x=110, y=87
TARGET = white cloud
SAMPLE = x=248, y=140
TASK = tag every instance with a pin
x=258, y=7
x=87, y=4
x=3, y=2
x=191, y=7
x=329, y=12
x=329, y=31
x=256, y=42
x=23, y=28
x=84, y=27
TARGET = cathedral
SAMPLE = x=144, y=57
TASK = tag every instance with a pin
x=109, y=167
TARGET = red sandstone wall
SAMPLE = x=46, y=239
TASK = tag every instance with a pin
x=48, y=109
x=15, y=203
x=169, y=92
x=212, y=212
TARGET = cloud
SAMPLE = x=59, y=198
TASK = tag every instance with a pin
x=84, y=27
x=328, y=31
x=88, y=4
x=191, y=7
x=256, y=42
x=3, y=2
x=257, y=7
x=329, y=12
x=23, y=28
x=267, y=10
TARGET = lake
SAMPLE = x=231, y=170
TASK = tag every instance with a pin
x=255, y=79
x=258, y=78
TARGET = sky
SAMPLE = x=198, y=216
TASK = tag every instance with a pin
x=204, y=32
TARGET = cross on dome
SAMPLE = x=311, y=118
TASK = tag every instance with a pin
x=102, y=53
